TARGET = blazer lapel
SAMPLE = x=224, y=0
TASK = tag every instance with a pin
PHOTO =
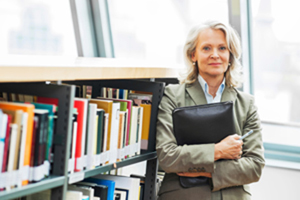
x=229, y=94
x=196, y=93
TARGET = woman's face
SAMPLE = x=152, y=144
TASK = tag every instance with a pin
x=212, y=54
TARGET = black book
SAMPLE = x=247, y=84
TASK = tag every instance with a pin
x=203, y=124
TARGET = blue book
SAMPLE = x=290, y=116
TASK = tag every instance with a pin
x=110, y=184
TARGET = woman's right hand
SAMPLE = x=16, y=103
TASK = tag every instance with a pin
x=229, y=148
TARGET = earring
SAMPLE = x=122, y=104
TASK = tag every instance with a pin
x=229, y=64
x=194, y=63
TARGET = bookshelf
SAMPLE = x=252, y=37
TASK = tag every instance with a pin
x=27, y=75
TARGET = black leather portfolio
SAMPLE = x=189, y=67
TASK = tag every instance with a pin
x=202, y=124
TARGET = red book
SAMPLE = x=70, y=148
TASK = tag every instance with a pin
x=6, y=145
x=81, y=106
x=47, y=100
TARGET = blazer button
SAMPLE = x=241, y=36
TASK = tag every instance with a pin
x=202, y=169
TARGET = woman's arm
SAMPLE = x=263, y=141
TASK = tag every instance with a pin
x=249, y=167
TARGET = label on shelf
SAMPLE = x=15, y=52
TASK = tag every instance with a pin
x=3, y=179
x=38, y=172
x=85, y=160
x=71, y=164
x=79, y=163
x=127, y=150
x=25, y=172
x=97, y=160
x=132, y=149
x=76, y=177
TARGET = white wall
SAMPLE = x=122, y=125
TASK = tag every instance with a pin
x=277, y=184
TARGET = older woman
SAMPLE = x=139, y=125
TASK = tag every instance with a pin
x=212, y=53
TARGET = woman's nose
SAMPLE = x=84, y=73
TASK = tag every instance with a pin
x=215, y=54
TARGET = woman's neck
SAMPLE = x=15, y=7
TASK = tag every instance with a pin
x=213, y=84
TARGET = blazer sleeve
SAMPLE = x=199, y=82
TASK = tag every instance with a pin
x=248, y=169
x=173, y=158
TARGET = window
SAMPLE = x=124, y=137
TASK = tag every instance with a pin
x=276, y=69
x=36, y=27
x=156, y=30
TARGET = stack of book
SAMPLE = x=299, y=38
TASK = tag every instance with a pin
x=26, y=132
x=105, y=130
x=109, y=129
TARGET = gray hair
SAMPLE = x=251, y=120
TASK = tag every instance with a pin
x=234, y=73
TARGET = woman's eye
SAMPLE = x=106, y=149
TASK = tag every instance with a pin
x=223, y=48
x=206, y=48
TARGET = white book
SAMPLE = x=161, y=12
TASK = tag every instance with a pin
x=123, y=182
x=12, y=144
x=133, y=130
x=73, y=195
x=96, y=198
x=3, y=126
x=88, y=191
x=91, y=135
x=114, y=132
x=72, y=156
x=23, y=144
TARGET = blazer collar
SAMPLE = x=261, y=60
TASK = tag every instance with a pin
x=197, y=94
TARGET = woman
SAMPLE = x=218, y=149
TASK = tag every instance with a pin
x=212, y=53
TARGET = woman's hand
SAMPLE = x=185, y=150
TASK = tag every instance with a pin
x=194, y=174
x=229, y=148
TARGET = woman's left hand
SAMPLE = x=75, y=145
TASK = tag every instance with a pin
x=194, y=174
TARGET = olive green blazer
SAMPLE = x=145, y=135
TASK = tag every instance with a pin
x=228, y=176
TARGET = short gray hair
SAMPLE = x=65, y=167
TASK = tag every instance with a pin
x=234, y=73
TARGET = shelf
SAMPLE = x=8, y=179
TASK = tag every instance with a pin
x=51, y=68
x=48, y=183
x=126, y=162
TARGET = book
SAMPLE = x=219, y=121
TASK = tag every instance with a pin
x=146, y=125
x=6, y=145
x=100, y=130
x=106, y=105
x=87, y=191
x=129, y=110
x=41, y=136
x=11, y=152
x=73, y=195
x=125, y=183
x=100, y=191
x=52, y=109
x=82, y=108
x=3, y=126
x=71, y=164
x=91, y=133
x=29, y=109
x=16, y=119
x=109, y=183
x=144, y=100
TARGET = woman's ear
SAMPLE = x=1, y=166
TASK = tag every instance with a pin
x=193, y=57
